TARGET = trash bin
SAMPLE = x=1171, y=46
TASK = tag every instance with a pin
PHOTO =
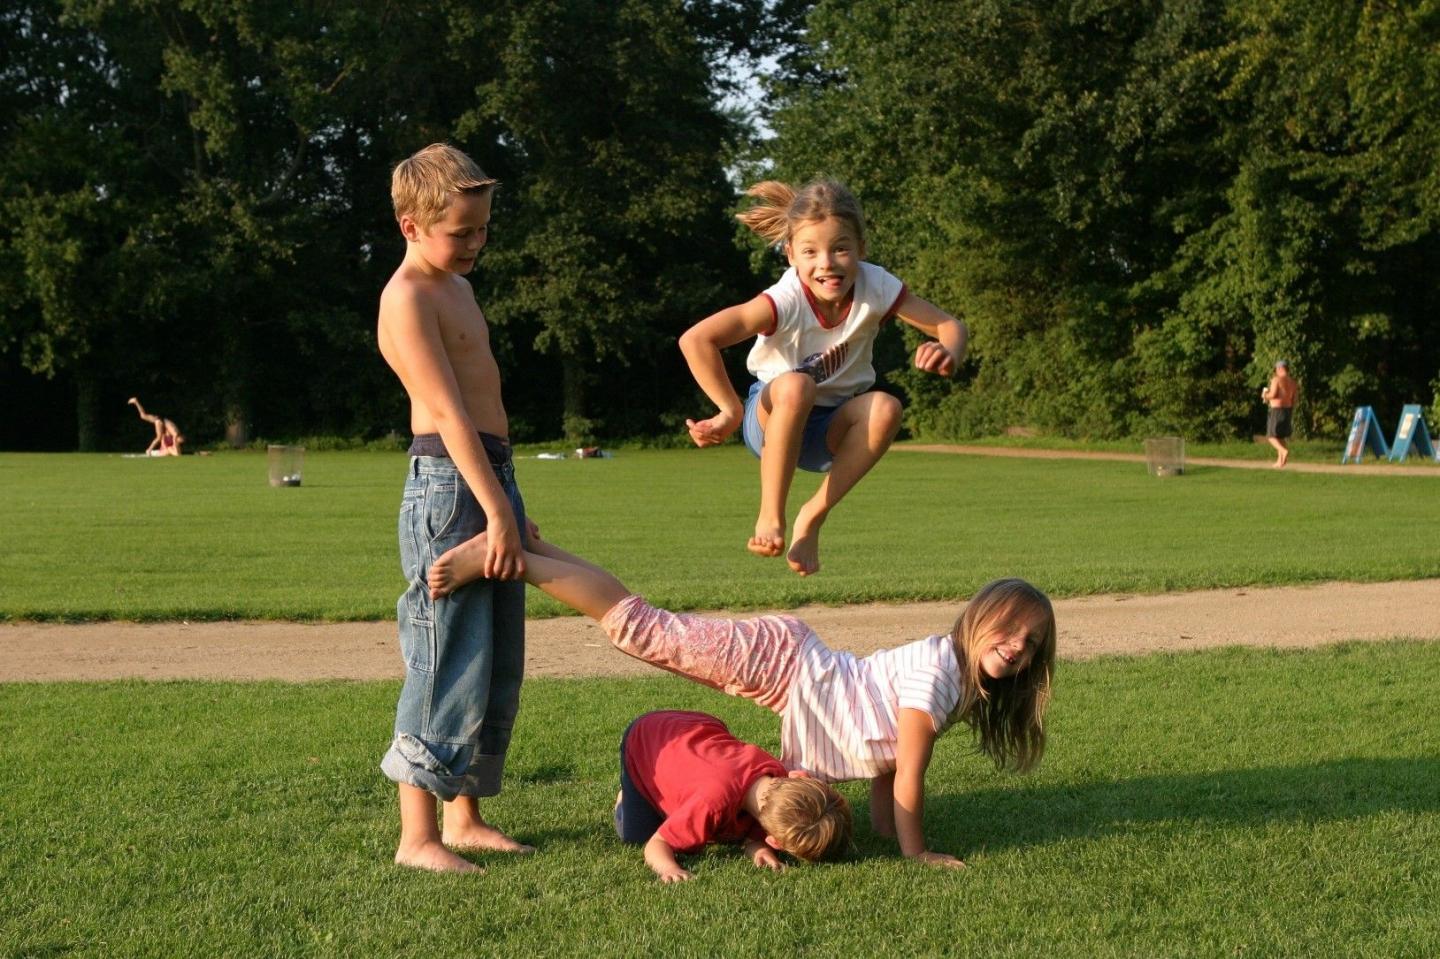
x=286, y=465
x=1165, y=455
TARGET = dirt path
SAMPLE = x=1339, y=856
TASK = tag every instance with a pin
x=1354, y=469
x=1090, y=626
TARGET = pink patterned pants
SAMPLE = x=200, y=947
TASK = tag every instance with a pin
x=754, y=658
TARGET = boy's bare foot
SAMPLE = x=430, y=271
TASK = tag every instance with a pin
x=769, y=539
x=435, y=857
x=482, y=837
x=804, y=555
x=456, y=567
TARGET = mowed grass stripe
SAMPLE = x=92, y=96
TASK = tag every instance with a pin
x=96, y=537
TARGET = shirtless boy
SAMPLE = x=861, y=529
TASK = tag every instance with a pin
x=464, y=654
x=1280, y=394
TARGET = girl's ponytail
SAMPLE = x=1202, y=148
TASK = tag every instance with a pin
x=770, y=218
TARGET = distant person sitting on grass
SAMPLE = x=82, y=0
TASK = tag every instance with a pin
x=812, y=405
x=685, y=781
x=168, y=438
x=842, y=717
x=1281, y=394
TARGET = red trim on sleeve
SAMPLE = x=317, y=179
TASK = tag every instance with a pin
x=774, y=316
x=895, y=307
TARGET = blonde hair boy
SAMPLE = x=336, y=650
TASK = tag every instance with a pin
x=464, y=656
x=424, y=184
x=807, y=818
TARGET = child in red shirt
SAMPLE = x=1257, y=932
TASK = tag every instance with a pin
x=685, y=781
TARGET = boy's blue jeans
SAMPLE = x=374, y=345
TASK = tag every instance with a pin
x=465, y=653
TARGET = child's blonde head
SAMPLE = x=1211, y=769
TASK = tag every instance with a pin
x=808, y=818
x=424, y=184
x=783, y=209
x=1008, y=715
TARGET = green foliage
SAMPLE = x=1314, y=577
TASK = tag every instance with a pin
x=250, y=820
x=100, y=537
x=197, y=201
x=1138, y=207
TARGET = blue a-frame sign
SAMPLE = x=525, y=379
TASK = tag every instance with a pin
x=1364, y=431
x=1410, y=432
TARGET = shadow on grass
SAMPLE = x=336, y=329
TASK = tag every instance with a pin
x=1023, y=815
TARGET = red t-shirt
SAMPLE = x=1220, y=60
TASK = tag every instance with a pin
x=695, y=773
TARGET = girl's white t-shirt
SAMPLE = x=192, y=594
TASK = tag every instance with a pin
x=841, y=719
x=838, y=357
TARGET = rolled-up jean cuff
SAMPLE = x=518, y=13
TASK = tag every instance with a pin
x=409, y=761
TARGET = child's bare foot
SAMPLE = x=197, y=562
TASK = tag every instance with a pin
x=804, y=555
x=456, y=567
x=769, y=538
x=482, y=837
x=433, y=856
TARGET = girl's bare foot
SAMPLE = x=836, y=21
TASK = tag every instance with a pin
x=434, y=857
x=456, y=567
x=804, y=555
x=482, y=837
x=769, y=538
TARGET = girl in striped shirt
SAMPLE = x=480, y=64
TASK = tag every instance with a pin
x=842, y=717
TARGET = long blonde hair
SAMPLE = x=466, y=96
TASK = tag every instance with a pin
x=1007, y=715
x=783, y=208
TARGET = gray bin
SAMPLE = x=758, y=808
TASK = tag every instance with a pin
x=286, y=465
x=1165, y=455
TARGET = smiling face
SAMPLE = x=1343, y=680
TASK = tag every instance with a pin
x=826, y=254
x=453, y=242
x=1008, y=642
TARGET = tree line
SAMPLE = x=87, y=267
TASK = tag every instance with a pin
x=1136, y=206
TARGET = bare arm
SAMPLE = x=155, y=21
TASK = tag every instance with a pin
x=411, y=330
x=661, y=860
x=912, y=759
x=945, y=356
x=701, y=345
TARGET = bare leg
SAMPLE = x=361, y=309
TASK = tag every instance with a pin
x=576, y=582
x=465, y=829
x=1282, y=451
x=420, y=844
x=785, y=404
x=147, y=417
x=859, y=434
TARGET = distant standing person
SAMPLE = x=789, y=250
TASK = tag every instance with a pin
x=1281, y=395
x=465, y=654
x=168, y=437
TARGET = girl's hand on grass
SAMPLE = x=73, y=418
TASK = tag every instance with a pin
x=944, y=860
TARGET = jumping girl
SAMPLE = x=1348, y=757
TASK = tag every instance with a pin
x=811, y=404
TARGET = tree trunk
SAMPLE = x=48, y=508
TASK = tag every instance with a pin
x=579, y=429
x=87, y=409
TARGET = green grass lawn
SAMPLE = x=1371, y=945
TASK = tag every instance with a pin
x=96, y=537
x=1240, y=802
